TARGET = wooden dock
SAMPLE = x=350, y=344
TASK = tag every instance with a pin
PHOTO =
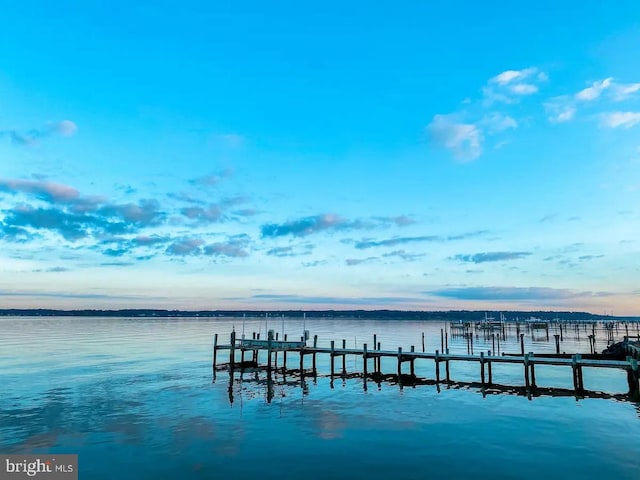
x=485, y=360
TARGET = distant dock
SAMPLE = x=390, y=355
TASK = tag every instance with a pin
x=371, y=354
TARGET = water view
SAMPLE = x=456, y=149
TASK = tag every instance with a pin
x=162, y=162
x=137, y=399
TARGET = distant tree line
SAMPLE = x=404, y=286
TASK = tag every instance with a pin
x=451, y=315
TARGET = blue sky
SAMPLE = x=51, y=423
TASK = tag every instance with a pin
x=244, y=155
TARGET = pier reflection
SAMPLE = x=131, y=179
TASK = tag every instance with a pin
x=270, y=380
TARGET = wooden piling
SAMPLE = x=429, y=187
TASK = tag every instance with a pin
x=446, y=341
x=557, y=337
x=423, y=341
x=632, y=378
x=437, y=360
x=215, y=349
x=526, y=372
x=482, y=367
x=446, y=364
x=579, y=373
x=313, y=357
x=232, y=352
x=333, y=357
x=574, y=363
x=399, y=363
x=284, y=356
x=378, y=361
x=442, y=339
x=344, y=357
x=275, y=357
x=522, y=343
x=411, y=362
x=532, y=366
x=269, y=348
x=364, y=358
x=489, y=368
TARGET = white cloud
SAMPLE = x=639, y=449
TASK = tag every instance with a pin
x=564, y=116
x=560, y=109
x=491, y=97
x=463, y=139
x=619, y=119
x=594, y=91
x=622, y=91
x=523, y=88
x=497, y=122
x=509, y=76
x=503, y=87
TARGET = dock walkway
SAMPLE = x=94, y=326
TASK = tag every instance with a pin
x=485, y=360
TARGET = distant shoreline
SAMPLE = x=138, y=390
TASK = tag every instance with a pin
x=311, y=314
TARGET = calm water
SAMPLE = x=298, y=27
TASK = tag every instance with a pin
x=135, y=399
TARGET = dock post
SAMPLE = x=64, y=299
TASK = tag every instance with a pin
x=522, y=344
x=493, y=342
x=437, y=366
x=446, y=364
x=446, y=341
x=333, y=357
x=215, y=350
x=411, y=362
x=575, y=373
x=579, y=372
x=532, y=364
x=378, y=361
x=632, y=378
x=561, y=339
x=313, y=357
x=344, y=357
x=441, y=339
x=482, y=367
x=269, y=345
x=232, y=352
x=364, y=358
x=526, y=372
x=284, y=356
x=275, y=355
x=557, y=337
x=489, y=367
x=422, y=342
x=399, y=363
